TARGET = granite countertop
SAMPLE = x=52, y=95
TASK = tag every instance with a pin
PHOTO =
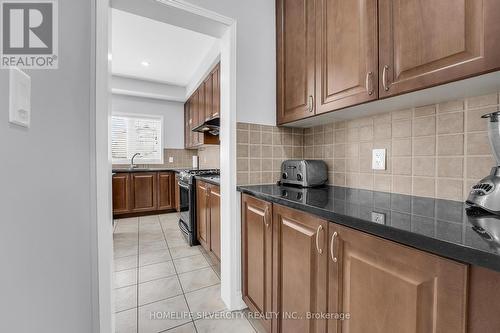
x=437, y=226
x=212, y=179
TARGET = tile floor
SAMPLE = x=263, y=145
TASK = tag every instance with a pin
x=157, y=273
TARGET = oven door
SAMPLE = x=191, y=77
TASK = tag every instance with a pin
x=184, y=195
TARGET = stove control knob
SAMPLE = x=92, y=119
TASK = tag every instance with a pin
x=284, y=175
x=299, y=177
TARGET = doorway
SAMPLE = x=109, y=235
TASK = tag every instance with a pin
x=184, y=15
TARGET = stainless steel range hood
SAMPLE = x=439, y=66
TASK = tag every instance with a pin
x=211, y=126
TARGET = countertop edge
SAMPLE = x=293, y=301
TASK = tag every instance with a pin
x=208, y=180
x=421, y=242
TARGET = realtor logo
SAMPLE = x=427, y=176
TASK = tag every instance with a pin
x=29, y=34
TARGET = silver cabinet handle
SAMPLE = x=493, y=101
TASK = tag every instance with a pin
x=320, y=228
x=368, y=83
x=310, y=103
x=332, y=251
x=384, y=78
x=266, y=222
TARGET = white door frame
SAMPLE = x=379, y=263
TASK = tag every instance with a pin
x=101, y=179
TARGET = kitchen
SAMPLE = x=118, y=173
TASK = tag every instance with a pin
x=351, y=206
x=254, y=166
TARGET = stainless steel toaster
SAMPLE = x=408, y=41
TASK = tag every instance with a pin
x=304, y=173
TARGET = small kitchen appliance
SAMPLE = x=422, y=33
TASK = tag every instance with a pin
x=486, y=193
x=304, y=173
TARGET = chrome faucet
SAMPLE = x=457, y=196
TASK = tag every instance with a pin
x=132, y=165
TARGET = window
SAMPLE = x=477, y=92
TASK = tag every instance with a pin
x=131, y=134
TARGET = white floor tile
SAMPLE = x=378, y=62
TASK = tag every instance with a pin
x=187, y=264
x=158, y=290
x=125, y=298
x=198, y=279
x=175, y=305
x=156, y=271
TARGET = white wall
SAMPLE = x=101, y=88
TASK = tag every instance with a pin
x=256, y=56
x=45, y=245
x=172, y=112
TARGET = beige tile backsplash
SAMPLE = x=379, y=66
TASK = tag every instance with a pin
x=433, y=151
x=182, y=158
x=261, y=150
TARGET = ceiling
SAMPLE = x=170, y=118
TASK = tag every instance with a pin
x=173, y=53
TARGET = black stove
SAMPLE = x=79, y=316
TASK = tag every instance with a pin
x=187, y=190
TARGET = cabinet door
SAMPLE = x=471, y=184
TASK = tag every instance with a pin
x=202, y=216
x=177, y=192
x=214, y=204
x=187, y=129
x=295, y=27
x=201, y=104
x=427, y=42
x=121, y=193
x=166, y=194
x=256, y=256
x=216, y=92
x=300, y=270
x=391, y=288
x=144, y=191
x=347, y=53
x=208, y=87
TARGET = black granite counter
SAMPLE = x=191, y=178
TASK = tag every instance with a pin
x=437, y=226
x=214, y=179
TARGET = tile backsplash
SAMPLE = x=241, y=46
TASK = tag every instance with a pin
x=261, y=149
x=435, y=151
x=182, y=158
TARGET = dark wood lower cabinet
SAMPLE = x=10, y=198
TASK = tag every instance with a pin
x=300, y=270
x=141, y=193
x=121, y=193
x=214, y=204
x=166, y=195
x=257, y=251
x=388, y=287
x=208, y=219
x=202, y=216
x=374, y=285
x=144, y=192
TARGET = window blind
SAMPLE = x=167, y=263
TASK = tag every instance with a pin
x=136, y=134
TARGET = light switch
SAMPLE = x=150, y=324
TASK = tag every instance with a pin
x=19, y=98
x=378, y=159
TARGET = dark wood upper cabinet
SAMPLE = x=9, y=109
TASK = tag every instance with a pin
x=216, y=92
x=295, y=22
x=387, y=287
x=214, y=205
x=166, y=195
x=424, y=43
x=204, y=104
x=300, y=259
x=202, y=214
x=144, y=192
x=121, y=193
x=256, y=255
x=346, y=56
x=207, y=88
x=333, y=54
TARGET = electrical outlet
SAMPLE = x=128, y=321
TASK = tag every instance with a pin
x=378, y=159
x=378, y=218
x=170, y=159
